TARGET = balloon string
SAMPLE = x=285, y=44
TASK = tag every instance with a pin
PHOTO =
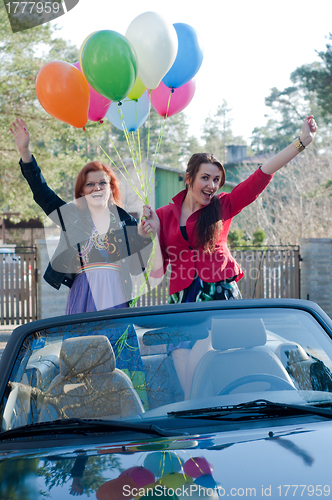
x=146, y=272
x=127, y=178
x=138, y=155
x=138, y=169
x=145, y=185
x=148, y=140
x=159, y=141
x=169, y=100
x=139, y=146
x=133, y=148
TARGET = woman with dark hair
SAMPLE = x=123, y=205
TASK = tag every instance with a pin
x=193, y=233
x=99, y=247
x=193, y=229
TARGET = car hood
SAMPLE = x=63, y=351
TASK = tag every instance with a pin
x=248, y=462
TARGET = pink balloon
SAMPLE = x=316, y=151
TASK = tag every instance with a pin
x=98, y=104
x=180, y=98
x=197, y=466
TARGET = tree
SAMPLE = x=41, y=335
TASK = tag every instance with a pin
x=263, y=139
x=58, y=472
x=217, y=133
x=296, y=204
x=177, y=146
x=311, y=93
x=239, y=238
x=289, y=107
x=14, y=480
x=316, y=78
x=19, y=66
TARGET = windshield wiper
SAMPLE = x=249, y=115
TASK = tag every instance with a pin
x=259, y=408
x=83, y=426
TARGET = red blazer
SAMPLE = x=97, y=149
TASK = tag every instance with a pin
x=185, y=259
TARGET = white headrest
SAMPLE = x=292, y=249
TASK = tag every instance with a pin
x=236, y=333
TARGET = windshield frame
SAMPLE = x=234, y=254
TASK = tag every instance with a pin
x=22, y=333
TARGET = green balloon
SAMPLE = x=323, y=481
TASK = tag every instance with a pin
x=109, y=64
x=160, y=494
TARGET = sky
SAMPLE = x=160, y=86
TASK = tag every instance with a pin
x=250, y=46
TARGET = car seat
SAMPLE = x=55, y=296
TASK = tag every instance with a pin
x=89, y=385
x=238, y=361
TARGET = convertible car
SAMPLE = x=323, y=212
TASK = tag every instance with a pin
x=204, y=400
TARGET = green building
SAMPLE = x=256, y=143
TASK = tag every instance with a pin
x=169, y=181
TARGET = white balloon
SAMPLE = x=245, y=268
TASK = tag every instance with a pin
x=156, y=44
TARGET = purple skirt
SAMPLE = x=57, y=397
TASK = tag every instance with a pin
x=96, y=290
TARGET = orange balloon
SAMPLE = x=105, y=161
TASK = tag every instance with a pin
x=63, y=92
x=117, y=489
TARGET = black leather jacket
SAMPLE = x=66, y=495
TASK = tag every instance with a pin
x=77, y=226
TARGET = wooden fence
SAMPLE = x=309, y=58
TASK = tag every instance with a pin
x=18, y=290
x=269, y=272
x=272, y=272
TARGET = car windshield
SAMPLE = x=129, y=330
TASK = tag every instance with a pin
x=136, y=367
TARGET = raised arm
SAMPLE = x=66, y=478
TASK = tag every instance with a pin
x=22, y=139
x=278, y=161
x=42, y=194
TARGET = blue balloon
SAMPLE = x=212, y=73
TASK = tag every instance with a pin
x=206, y=480
x=133, y=113
x=189, y=57
x=161, y=463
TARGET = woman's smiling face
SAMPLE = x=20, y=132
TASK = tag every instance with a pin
x=205, y=184
x=97, y=188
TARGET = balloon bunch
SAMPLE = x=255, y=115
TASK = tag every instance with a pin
x=163, y=475
x=154, y=59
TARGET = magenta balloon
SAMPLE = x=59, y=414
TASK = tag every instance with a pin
x=197, y=466
x=180, y=98
x=140, y=475
x=99, y=104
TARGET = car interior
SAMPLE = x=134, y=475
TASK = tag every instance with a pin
x=79, y=371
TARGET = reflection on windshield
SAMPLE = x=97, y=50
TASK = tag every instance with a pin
x=116, y=369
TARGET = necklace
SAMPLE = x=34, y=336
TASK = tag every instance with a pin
x=99, y=242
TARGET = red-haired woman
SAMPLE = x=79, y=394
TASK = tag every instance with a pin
x=99, y=246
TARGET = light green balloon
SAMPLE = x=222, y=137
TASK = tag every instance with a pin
x=109, y=64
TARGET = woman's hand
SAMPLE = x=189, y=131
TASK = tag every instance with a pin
x=281, y=159
x=149, y=222
x=309, y=129
x=22, y=139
